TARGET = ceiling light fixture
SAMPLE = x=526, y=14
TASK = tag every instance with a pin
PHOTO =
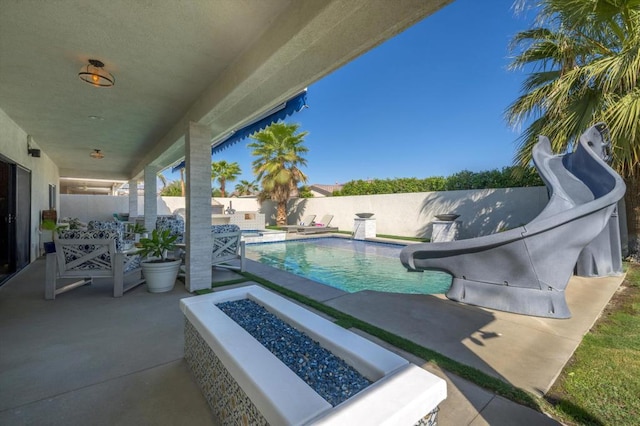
x=95, y=74
x=97, y=154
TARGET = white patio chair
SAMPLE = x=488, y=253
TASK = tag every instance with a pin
x=227, y=246
x=87, y=255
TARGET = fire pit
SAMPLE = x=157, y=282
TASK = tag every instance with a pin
x=244, y=382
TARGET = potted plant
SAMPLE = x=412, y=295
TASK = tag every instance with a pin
x=159, y=270
x=50, y=225
x=138, y=231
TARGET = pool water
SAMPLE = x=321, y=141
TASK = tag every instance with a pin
x=349, y=265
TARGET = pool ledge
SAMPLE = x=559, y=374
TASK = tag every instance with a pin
x=402, y=393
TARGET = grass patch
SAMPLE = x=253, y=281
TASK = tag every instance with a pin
x=219, y=284
x=482, y=379
x=601, y=383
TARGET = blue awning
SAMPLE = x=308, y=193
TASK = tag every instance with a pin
x=276, y=114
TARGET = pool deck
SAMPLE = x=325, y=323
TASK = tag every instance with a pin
x=528, y=352
x=87, y=358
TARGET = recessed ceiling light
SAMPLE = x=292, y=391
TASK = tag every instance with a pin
x=96, y=117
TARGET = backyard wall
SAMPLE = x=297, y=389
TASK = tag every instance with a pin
x=13, y=146
x=481, y=212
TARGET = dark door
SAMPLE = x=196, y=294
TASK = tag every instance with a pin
x=15, y=218
x=7, y=233
x=23, y=217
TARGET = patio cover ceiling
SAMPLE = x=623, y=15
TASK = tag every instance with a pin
x=217, y=63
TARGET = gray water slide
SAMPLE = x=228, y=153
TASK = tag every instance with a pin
x=526, y=270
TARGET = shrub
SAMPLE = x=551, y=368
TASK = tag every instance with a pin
x=508, y=177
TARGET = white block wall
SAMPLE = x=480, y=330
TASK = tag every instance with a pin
x=482, y=212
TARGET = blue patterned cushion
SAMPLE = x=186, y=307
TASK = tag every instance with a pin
x=110, y=225
x=101, y=262
x=223, y=229
x=175, y=224
x=134, y=262
x=77, y=234
x=72, y=253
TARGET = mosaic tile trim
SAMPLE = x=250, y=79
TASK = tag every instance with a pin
x=230, y=404
x=430, y=419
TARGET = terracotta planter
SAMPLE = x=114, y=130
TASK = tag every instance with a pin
x=160, y=276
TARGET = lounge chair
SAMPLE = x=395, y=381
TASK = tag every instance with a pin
x=306, y=221
x=87, y=255
x=526, y=270
x=319, y=227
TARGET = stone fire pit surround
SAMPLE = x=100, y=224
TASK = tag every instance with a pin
x=244, y=382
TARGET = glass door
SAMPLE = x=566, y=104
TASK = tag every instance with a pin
x=23, y=217
x=15, y=218
x=7, y=228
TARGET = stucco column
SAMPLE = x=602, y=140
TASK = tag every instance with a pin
x=198, y=205
x=133, y=198
x=150, y=197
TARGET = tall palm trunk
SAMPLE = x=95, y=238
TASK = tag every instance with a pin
x=632, y=202
x=281, y=213
x=182, y=190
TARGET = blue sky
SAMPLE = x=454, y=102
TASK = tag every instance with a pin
x=429, y=102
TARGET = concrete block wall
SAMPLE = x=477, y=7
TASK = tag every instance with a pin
x=482, y=212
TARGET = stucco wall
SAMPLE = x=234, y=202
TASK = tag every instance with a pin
x=102, y=207
x=482, y=212
x=13, y=145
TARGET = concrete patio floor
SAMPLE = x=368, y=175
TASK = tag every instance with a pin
x=87, y=358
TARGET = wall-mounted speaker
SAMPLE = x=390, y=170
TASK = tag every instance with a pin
x=34, y=152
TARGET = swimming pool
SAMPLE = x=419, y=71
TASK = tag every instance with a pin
x=349, y=265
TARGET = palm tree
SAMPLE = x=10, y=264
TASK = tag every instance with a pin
x=279, y=153
x=584, y=63
x=182, y=188
x=246, y=188
x=223, y=172
x=171, y=190
x=162, y=179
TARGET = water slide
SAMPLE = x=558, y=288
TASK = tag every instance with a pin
x=526, y=270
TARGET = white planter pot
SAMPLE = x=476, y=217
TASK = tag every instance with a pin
x=161, y=276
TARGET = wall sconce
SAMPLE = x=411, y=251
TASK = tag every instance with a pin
x=95, y=74
x=32, y=151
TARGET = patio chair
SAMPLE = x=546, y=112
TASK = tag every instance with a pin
x=87, y=255
x=175, y=224
x=227, y=246
x=319, y=227
x=526, y=270
x=306, y=221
